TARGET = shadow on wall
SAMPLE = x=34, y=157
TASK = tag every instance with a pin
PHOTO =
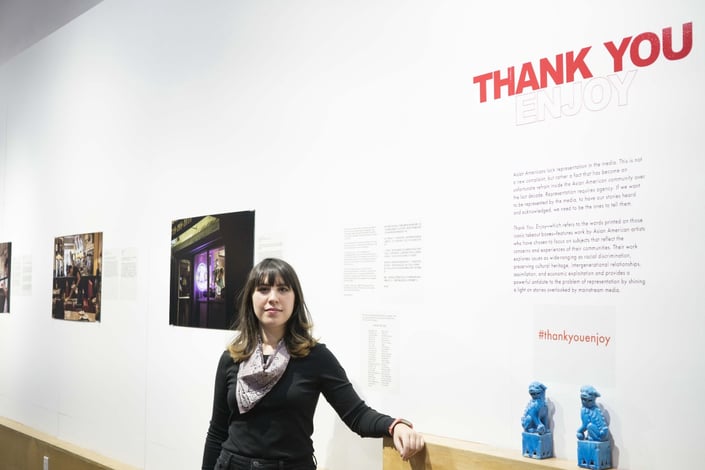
x=33, y=20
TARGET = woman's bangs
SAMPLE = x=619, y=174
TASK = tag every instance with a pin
x=268, y=276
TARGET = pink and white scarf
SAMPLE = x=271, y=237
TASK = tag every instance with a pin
x=256, y=377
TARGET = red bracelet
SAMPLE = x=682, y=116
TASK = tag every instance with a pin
x=397, y=421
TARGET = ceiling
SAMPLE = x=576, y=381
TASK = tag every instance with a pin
x=26, y=22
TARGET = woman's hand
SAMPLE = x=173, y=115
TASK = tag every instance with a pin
x=407, y=441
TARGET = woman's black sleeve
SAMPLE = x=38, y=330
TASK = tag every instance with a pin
x=339, y=392
x=218, y=428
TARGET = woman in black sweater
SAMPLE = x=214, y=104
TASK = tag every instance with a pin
x=269, y=379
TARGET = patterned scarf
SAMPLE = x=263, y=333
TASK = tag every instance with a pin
x=255, y=377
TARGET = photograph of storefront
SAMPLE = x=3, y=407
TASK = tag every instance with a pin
x=5, y=265
x=77, y=277
x=210, y=258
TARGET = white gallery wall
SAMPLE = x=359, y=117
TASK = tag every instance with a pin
x=452, y=248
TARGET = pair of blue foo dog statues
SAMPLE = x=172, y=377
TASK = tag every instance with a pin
x=594, y=450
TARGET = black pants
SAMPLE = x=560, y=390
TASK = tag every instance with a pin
x=229, y=461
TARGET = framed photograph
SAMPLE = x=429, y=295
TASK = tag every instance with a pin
x=211, y=257
x=77, y=277
x=5, y=267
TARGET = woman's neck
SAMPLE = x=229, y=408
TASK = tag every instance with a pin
x=270, y=339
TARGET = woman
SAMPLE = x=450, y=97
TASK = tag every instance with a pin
x=269, y=380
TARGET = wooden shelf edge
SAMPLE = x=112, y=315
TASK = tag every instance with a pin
x=79, y=452
x=444, y=453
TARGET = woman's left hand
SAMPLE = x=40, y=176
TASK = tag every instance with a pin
x=407, y=441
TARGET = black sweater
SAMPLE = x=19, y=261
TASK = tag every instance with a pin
x=281, y=424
